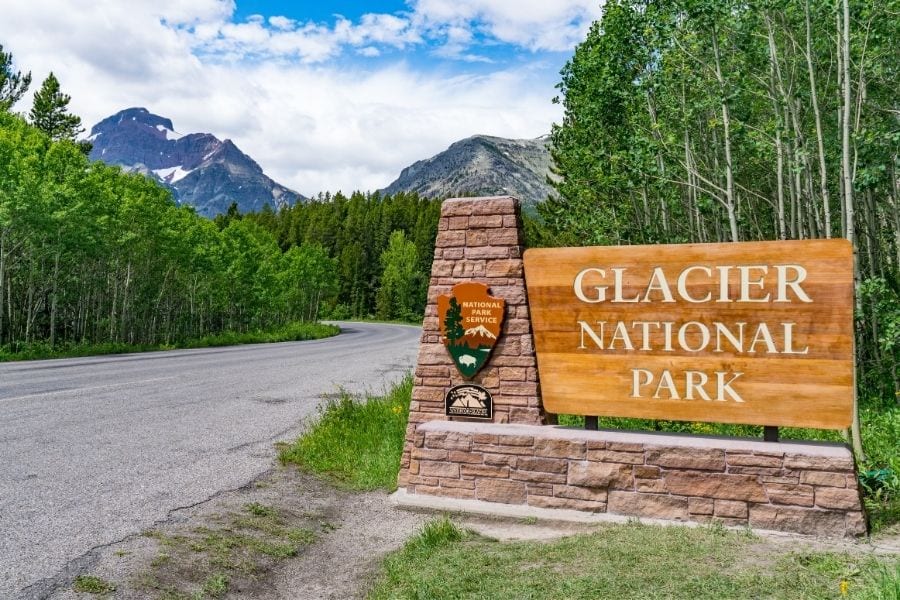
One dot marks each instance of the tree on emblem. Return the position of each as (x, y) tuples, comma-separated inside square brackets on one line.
[(453, 323)]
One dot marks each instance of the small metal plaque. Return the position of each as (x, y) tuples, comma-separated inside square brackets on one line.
[(469, 400)]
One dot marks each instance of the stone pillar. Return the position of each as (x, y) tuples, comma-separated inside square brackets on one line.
[(479, 240)]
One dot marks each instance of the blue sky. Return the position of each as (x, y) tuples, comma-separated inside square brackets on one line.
[(324, 95)]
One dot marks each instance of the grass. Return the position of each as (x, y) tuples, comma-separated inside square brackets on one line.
[(89, 584), (205, 562), (292, 332), (625, 561), (356, 444)]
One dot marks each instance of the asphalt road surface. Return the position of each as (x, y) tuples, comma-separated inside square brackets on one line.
[(93, 450)]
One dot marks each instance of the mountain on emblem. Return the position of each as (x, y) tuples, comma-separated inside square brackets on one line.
[(470, 320)]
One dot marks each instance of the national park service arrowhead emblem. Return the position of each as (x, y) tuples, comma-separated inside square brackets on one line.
[(470, 321)]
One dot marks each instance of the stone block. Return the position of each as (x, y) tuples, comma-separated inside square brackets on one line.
[(484, 471), (824, 478), (538, 476), (568, 503), (686, 458), (753, 460), (796, 494), (653, 506), (657, 486), (610, 456), (716, 485), (580, 493), (571, 449), (798, 520), (500, 490), (428, 454), (731, 508), (459, 456), (547, 465), (701, 506), (485, 221), (600, 475), (428, 468), (843, 499), (818, 463)]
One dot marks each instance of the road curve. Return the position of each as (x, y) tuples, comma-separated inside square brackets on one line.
[(93, 450)]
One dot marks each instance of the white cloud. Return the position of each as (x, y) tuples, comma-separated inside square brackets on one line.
[(311, 126), (555, 25)]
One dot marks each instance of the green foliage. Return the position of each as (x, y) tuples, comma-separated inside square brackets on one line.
[(90, 584), (708, 562), (13, 84), (50, 112), (357, 444), (402, 283)]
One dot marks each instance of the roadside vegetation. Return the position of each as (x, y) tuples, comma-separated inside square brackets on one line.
[(356, 444), (628, 561), (293, 332)]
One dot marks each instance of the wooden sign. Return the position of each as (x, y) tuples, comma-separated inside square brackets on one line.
[(758, 333)]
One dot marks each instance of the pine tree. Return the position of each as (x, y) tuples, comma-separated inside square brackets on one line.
[(13, 84), (453, 322), (50, 112)]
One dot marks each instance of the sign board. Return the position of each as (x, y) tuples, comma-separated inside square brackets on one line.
[(469, 400), (758, 333), (471, 321)]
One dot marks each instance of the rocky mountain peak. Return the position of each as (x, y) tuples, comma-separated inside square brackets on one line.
[(200, 169)]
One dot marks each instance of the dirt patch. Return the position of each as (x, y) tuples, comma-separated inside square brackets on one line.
[(286, 535)]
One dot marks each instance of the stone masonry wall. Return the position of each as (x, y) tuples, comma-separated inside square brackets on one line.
[(795, 487), (478, 240)]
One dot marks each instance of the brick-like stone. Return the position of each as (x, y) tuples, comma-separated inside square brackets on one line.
[(419, 480), (570, 449), (567, 503), (580, 493), (501, 449), (500, 490), (716, 485), (625, 446), (701, 506), (657, 486), (484, 438), (610, 456), (753, 460), (547, 465), (428, 468), (500, 460), (450, 238), (798, 520), (600, 475), (731, 508), (844, 499), (466, 484), (428, 454), (796, 494), (654, 506), (484, 221), (456, 207), (513, 373), (686, 458), (646, 472), (824, 478), (818, 463), (483, 471), (449, 441), (457, 223), (459, 456), (517, 440), (537, 476)]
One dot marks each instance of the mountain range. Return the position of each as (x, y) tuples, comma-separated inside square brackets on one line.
[(482, 165), (200, 169), (209, 174)]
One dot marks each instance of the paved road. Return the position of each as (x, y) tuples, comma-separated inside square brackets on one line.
[(93, 450)]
